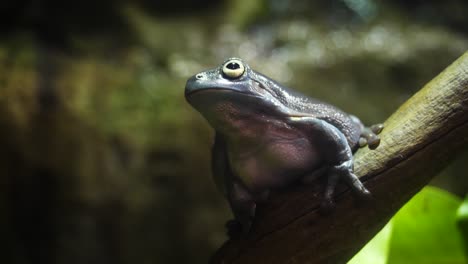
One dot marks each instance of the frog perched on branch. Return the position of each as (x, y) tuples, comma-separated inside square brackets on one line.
[(268, 136)]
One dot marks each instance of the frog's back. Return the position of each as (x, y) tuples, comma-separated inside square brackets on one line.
[(310, 107), (329, 113)]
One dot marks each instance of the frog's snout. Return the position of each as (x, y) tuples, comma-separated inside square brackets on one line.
[(195, 83), (191, 85)]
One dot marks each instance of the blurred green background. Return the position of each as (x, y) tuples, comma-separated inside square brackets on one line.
[(101, 158)]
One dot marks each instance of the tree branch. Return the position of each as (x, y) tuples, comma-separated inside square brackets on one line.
[(419, 139)]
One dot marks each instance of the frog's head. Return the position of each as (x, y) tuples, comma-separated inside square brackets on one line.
[(233, 91)]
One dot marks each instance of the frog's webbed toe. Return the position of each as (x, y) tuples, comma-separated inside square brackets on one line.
[(362, 142), (369, 136), (372, 140), (377, 128)]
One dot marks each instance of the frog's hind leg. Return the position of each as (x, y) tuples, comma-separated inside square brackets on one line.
[(311, 177), (337, 156), (369, 135), (339, 164)]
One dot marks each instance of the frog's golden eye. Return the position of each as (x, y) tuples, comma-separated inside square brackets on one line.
[(233, 69)]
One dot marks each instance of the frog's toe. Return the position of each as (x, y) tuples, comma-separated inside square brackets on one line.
[(373, 141), (359, 188), (362, 142), (345, 170), (377, 128)]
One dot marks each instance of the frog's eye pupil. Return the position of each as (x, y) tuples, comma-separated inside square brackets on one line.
[(233, 66)]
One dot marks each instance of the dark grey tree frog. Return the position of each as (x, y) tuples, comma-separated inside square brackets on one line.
[(268, 136)]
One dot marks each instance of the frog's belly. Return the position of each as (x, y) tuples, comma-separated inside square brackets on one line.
[(275, 164)]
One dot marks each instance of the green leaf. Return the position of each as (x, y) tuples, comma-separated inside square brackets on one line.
[(462, 221), (423, 231)]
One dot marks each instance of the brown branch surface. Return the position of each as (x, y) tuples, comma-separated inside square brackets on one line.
[(419, 139)]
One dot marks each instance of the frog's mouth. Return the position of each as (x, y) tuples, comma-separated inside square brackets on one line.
[(206, 97), (218, 90)]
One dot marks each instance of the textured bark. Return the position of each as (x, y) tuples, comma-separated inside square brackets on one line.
[(419, 139)]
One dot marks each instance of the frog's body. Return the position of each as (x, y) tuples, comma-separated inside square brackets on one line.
[(258, 156), (268, 136)]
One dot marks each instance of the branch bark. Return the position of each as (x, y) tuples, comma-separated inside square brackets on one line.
[(419, 139)]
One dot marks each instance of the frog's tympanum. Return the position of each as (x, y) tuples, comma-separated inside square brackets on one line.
[(268, 136)]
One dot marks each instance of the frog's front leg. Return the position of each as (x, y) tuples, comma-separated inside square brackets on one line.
[(337, 156), (243, 206), (341, 166)]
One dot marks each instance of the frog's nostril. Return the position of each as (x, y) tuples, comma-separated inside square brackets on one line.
[(199, 76)]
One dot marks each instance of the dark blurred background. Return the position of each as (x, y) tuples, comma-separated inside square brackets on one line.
[(101, 159)]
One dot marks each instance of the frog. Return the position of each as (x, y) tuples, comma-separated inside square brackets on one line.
[(268, 137)]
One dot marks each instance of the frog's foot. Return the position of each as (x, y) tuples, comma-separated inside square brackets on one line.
[(369, 136), (344, 171), (243, 206), (241, 225)]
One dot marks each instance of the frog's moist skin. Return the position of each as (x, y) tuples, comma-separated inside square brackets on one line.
[(268, 136)]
